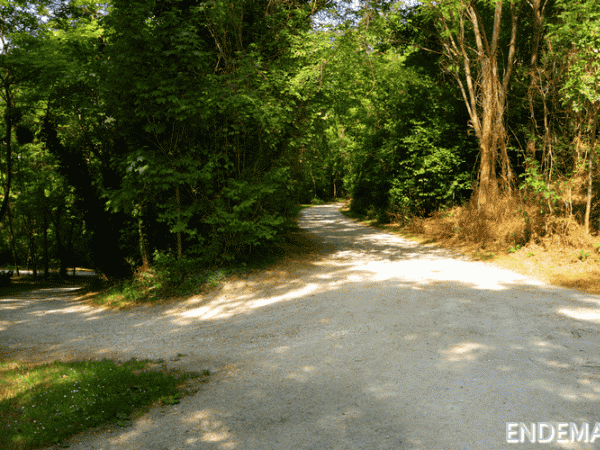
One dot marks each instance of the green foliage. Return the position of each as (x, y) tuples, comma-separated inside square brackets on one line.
[(47, 404), (535, 188), (514, 249), (187, 275), (210, 161), (190, 128), (410, 168), (430, 175), (577, 37), (583, 255), (387, 125)]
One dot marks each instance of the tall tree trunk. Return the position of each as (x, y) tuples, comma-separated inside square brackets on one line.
[(8, 120), (105, 227), (70, 248), (179, 240), (537, 11), (483, 87), (144, 251), (62, 254), (32, 252), (46, 256), (13, 245), (588, 206)]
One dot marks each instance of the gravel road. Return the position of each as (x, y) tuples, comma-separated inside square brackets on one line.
[(372, 342)]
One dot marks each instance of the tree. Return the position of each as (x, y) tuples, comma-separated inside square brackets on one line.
[(206, 121), (18, 25), (577, 40), (473, 35)]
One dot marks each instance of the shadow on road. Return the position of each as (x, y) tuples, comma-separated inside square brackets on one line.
[(372, 342)]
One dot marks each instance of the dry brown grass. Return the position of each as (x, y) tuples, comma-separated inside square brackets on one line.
[(517, 236)]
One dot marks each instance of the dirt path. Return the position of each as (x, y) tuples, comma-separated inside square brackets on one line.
[(374, 343)]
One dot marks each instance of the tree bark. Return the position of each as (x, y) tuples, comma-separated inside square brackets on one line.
[(588, 205), (534, 74), (483, 87), (13, 245), (179, 239), (8, 139), (62, 256), (46, 256), (143, 241)]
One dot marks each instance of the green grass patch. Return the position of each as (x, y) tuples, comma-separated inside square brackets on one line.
[(46, 404)]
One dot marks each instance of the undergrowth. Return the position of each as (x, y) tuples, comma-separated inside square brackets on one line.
[(43, 405), (158, 283), (170, 277), (509, 223)]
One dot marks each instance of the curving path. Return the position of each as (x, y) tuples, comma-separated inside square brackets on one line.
[(374, 342)]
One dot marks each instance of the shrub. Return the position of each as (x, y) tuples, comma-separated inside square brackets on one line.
[(5, 277)]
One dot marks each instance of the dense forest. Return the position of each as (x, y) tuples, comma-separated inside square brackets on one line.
[(142, 133)]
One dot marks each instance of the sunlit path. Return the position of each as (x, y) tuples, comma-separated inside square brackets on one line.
[(375, 342)]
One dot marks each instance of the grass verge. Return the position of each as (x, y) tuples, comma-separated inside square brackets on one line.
[(43, 405)]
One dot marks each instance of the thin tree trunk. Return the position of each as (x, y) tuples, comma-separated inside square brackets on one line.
[(534, 77), (32, 251), (588, 206), (179, 240), (46, 256), (70, 247), (34, 266), (13, 245), (143, 241), (8, 139), (59, 243)]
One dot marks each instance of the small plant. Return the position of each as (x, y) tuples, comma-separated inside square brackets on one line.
[(583, 255), (484, 256), (171, 399), (530, 254), (123, 420), (597, 247), (514, 249)]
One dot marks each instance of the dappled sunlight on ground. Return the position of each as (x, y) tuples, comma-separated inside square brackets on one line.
[(375, 342), (585, 314), (225, 306), (464, 352)]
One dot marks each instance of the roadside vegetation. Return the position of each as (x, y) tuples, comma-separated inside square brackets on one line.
[(42, 405), (169, 278), (567, 257), (164, 144)]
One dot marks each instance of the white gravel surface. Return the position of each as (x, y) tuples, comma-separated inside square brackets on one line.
[(374, 342)]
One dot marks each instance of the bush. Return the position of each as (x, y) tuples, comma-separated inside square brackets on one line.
[(5, 278)]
